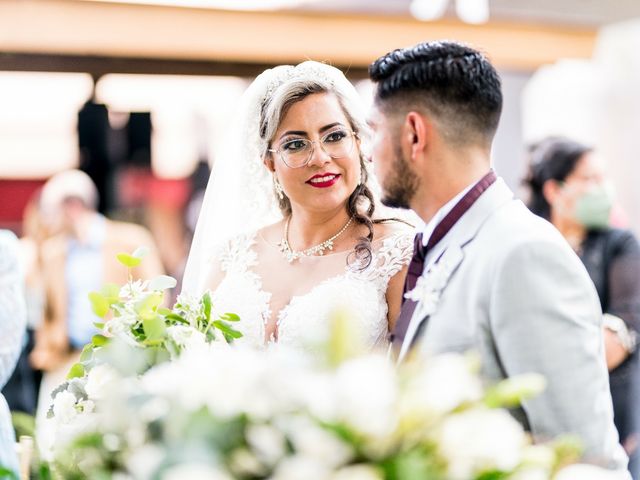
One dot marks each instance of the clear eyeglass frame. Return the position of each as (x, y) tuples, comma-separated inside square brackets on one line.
[(351, 134)]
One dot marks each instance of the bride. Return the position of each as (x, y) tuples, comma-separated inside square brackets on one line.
[(288, 233)]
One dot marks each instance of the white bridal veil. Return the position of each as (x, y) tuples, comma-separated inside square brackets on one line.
[(239, 196)]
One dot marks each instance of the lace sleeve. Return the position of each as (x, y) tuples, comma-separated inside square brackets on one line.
[(237, 254), (12, 307), (394, 253)]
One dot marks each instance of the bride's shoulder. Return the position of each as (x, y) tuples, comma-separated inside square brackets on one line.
[(271, 233), (391, 227)]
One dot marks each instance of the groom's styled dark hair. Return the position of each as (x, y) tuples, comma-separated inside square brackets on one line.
[(454, 83)]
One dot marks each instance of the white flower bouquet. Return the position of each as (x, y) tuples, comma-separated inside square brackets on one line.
[(159, 397), (236, 413)]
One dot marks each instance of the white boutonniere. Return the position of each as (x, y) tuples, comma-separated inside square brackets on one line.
[(429, 286)]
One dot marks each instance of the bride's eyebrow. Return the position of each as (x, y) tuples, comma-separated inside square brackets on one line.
[(304, 134), (327, 127)]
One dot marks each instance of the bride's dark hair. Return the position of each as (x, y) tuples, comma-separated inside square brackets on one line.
[(361, 204)]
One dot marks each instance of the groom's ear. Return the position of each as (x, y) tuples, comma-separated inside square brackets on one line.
[(416, 132)]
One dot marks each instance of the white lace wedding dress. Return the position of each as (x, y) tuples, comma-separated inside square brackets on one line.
[(321, 286)]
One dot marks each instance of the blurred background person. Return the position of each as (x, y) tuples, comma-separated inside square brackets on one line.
[(569, 188), (79, 259), (21, 390), (12, 324)]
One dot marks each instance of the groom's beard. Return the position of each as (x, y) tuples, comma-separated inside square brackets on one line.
[(401, 184)]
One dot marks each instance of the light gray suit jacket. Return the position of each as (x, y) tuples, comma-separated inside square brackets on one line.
[(515, 292)]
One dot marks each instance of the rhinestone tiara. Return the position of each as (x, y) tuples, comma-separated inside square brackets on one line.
[(306, 70)]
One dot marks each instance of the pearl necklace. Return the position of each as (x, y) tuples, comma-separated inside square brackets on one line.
[(319, 249)]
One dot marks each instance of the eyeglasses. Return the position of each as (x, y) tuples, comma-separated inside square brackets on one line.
[(297, 152)]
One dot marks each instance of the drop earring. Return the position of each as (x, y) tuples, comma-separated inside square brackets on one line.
[(278, 188)]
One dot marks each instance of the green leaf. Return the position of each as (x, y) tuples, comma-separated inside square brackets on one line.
[(99, 325), (99, 340), (6, 473), (230, 317), (76, 371), (154, 328), (147, 307), (99, 304), (164, 311), (162, 282), (493, 475), (111, 292), (140, 252), (206, 302), (128, 260), (226, 329), (174, 317), (87, 353), (512, 391)]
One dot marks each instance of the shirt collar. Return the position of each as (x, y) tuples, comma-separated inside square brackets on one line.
[(428, 229)]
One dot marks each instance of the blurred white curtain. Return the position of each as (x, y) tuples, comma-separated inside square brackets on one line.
[(597, 102), (616, 58)]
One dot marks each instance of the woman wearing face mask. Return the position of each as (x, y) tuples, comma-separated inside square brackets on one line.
[(568, 188)]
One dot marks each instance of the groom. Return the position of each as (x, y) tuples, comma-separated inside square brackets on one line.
[(487, 275)]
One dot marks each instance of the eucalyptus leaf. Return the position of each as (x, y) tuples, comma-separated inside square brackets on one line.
[(99, 340), (76, 371), (146, 308), (99, 304), (140, 252), (154, 328), (162, 282), (111, 292), (87, 352), (128, 260)]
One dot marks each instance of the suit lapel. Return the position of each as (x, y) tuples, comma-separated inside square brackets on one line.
[(450, 251)]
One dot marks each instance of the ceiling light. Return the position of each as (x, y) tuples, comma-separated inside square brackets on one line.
[(473, 11), (428, 9)]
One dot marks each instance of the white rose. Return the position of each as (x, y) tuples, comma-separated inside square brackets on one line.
[(299, 467), (143, 462), (186, 337), (479, 440), (439, 385), (100, 380), (243, 463), (267, 442), (313, 441), (194, 471), (366, 395), (64, 407), (531, 474), (358, 472), (86, 406), (590, 472)]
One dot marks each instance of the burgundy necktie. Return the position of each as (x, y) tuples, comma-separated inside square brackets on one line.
[(416, 266)]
